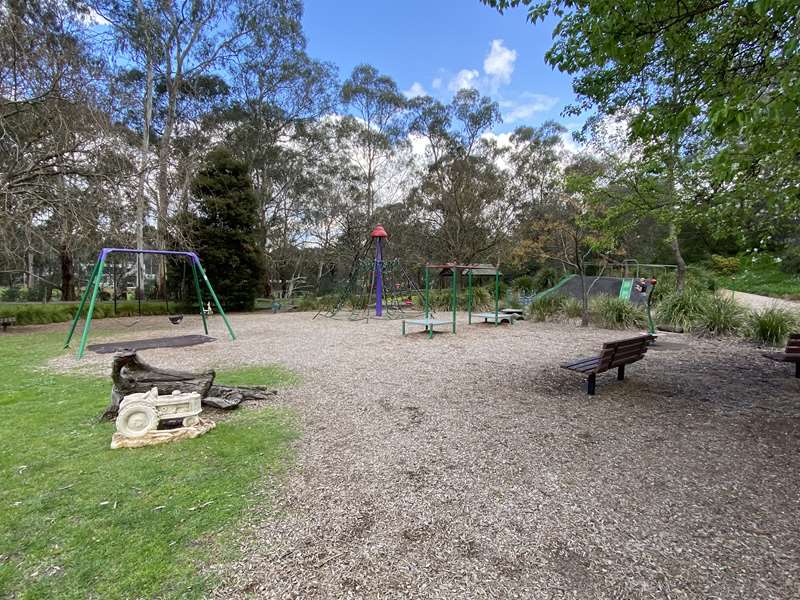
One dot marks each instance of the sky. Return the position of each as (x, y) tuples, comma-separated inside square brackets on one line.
[(436, 46)]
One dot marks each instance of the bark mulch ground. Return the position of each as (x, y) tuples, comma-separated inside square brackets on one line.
[(471, 466)]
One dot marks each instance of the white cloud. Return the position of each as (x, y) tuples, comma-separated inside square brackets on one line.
[(436, 83), (499, 64), (415, 90), (464, 79), (531, 104)]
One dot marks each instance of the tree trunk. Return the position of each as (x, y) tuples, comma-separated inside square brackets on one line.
[(132, 376), (67, 285), (680, 276), (140, 201)]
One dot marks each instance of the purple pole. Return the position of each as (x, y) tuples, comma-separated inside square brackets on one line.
[(378, 277)]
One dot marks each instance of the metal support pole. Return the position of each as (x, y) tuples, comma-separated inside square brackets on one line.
[(95, 290), (199, 297), (454, 295), (496, 297), (84, 296), (216, 300), (427, 293), (469, 296), (378, 278)]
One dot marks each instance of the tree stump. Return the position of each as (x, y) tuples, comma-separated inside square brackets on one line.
[(132, 375)]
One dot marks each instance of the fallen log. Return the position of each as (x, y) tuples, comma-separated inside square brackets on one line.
[(132, 375)]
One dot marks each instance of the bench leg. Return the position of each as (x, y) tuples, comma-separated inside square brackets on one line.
[(590, 384), (404, 327), (621, 373), (796, 367)]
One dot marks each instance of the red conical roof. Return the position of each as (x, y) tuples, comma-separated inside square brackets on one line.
[(379, 232)]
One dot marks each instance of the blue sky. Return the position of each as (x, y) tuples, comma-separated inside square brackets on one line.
[(440, 45)]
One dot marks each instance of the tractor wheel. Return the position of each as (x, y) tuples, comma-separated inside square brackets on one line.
[(135, 420)]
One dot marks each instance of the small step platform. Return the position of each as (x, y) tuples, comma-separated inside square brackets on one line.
[(517, 313), (428, 324), (490, 317)]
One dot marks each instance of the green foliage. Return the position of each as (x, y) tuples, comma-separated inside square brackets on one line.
[(226, 230), (11, 294), (615, 313), (546, 307), (119, 523), (683, 310), (772, 325), (40, 314), (790, 261), (725, 265), (720, 316), (763, 274), (523, 283), (572, 307), (482, 298), (545, 278)]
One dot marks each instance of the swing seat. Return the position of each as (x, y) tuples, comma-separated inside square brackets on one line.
[(175, 319)]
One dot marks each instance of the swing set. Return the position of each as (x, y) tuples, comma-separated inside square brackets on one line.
[(96, 278)]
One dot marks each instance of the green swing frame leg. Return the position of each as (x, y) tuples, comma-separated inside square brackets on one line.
[(95, 290), (84, 296), (454, 296), (216, 301), (199, 297)]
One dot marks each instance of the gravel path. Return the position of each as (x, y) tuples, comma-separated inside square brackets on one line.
[(471, 466), (756, 302)]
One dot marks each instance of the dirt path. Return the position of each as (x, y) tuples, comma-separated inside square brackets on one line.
[(471, 466), (756, 302)]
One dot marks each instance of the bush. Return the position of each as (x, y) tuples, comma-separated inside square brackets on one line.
[(790, 261), (683, 310), (308, 302), (572, 308), (721, 316), (771, 325), (523, 283), (615, 313), (546, 306), (545, 278), (724, 265), (11, 294)]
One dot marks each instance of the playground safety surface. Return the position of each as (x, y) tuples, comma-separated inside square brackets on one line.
[(471, 466)]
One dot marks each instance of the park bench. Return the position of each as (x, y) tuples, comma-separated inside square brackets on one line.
[(790, 355), (5, 322), (614, 355)]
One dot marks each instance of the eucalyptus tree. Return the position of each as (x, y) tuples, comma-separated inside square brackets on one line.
[(461, 193), (373, 128)]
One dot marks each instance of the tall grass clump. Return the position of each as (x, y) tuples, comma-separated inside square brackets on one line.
[(772, 325), (615, 313), (572, 308), (546, 307), (721, 316), (684, 310)]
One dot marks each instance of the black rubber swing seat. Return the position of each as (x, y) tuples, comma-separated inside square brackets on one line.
[(180, 341)]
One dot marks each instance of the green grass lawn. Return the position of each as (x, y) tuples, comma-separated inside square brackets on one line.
[(763, 276), (79, 520)]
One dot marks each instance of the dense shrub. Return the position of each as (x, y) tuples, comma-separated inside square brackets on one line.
[(725, 265), (772, 325), (615, 313), (545, 278), (720, 316), (572, 307), (683, 310), (12, 294), (40, 314), (546, 307), (790, 261), (523, 283)]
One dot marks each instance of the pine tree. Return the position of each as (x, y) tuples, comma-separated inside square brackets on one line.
[(226, 230)]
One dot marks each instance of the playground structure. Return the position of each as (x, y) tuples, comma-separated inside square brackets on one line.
[(96, 278), (471, 271), (635, 290), (376, 282)]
